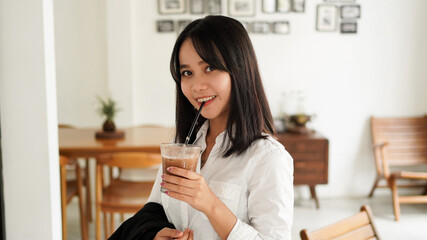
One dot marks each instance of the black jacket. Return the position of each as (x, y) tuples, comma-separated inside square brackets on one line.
[(144, 225)]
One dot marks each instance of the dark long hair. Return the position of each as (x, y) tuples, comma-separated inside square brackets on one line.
[(223, 43)]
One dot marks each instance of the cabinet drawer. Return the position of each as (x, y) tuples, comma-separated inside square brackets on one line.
[(319, 156), (306, 147), (306, 172)]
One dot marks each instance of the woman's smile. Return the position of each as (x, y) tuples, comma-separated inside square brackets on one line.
[(207, 100)]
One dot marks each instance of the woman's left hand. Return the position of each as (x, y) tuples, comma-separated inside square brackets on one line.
[(189, 187)]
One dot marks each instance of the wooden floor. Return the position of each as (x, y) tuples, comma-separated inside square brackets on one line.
[(412, 226)]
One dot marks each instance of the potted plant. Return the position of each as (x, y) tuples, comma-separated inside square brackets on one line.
[(108, 108)]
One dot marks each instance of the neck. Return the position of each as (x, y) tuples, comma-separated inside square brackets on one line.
[(216, 128)]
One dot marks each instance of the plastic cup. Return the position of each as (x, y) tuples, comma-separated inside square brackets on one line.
[(179, 155)]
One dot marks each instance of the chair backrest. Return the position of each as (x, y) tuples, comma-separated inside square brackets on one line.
[(404, 140), (357, 227), (130, 159), (63, 160)]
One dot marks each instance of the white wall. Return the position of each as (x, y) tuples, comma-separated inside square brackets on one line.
[(81, 59), (381, 70), (29, 120)]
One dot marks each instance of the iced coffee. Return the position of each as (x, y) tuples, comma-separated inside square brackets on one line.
[(179, 155)]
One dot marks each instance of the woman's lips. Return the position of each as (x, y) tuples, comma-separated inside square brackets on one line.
[(206, 102)]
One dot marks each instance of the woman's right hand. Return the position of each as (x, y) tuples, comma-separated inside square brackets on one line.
[(168, 233)]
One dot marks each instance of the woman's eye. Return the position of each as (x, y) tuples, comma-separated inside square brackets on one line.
[(186, 73), (209, 69)]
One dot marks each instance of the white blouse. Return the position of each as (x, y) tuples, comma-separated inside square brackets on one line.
[(257, 186)]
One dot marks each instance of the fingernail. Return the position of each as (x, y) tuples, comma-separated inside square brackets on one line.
[(167, 192), (170, 169), (178, 233), (162, 184), (163, 175)]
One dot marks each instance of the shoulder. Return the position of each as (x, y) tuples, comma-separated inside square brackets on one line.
[(268, 152), (267, 146)]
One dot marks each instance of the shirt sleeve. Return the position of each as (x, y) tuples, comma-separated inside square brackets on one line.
[(270, 200)]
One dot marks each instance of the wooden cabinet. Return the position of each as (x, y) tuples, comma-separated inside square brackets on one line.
[(310, 154)]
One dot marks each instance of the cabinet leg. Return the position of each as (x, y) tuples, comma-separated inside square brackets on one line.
[(313, 195)]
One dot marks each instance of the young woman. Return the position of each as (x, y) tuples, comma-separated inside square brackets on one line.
[(243, 186)]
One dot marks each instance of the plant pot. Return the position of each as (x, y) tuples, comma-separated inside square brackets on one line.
[(109, 126)]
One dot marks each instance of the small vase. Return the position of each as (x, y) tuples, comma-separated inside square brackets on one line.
[(109, 126)]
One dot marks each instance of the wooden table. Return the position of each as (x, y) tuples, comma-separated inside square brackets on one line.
[(310, 154), (81, 142)]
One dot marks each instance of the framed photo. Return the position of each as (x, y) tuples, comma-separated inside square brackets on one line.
[(326, 18), (269, 6), (165, 26), (171, 6), (246, 25), (298, 6), (181, 24), (213, 6), (241, 7), (197, 6), (283, 5), (350, 11), (281, 27), (260, 27), (349, 27)]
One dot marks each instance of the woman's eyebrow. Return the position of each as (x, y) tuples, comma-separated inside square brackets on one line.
[(183, 66), (187, 66)]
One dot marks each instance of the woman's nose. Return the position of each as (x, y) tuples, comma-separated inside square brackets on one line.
[(200, 84)]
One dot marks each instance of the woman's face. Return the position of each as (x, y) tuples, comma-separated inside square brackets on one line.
[(201, 82)]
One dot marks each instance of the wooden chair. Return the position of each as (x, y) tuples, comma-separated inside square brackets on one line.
[(121, 196), (400, 142), (357, 227), (86, 180), (70, 189)]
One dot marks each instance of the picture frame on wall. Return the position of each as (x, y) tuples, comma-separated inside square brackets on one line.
[(213, 6), (171, 6), (269, 6), (339, 0), (165, 26), (350, 11), (181, 24), (281, 27), (283, 6), (246, 25), (326, 19), (298, 6), (241, 8), (349, 27), (197, 6), (260, 27)]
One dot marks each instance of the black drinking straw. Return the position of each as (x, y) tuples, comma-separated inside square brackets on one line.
[(194, 124)]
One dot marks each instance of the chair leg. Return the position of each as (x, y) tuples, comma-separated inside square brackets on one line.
[(83, 222), (88, 193), (377, 179), (111, 224), (63, 202), (64, 223), (98, 197), (98, 224), (106, 225), (396, 205)]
